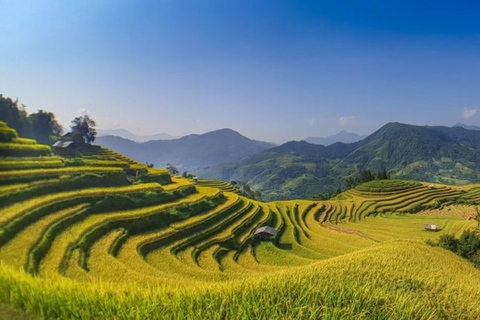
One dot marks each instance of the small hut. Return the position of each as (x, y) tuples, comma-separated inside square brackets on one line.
[(431, 227), (64, 148), (265, 233), (195, 179)]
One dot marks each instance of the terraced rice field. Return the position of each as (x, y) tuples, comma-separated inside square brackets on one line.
[(58, 232), (179, 241), (222, 185)]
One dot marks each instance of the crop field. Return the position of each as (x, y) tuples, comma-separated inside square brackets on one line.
[(222, 185), (101, 236)]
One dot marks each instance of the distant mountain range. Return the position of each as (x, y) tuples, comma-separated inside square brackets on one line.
[(463, 125), (299, 169), (189, 152), (342, 136), (123, 133)]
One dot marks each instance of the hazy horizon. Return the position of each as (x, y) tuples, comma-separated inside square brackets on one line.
[(272, 70)]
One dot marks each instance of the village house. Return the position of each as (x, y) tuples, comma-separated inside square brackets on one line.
[(265, 233)]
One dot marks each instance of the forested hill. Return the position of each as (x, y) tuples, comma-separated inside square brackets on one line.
[(189, 152), (299, 169)]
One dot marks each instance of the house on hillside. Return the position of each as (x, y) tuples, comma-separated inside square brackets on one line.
[(64, 148), (265, 233), (431, 227)]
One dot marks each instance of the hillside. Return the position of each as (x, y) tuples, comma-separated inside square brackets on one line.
[(189, 152), (300, 170), (101, 236)]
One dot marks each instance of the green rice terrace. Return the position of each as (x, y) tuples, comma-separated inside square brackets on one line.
[(100, 236)]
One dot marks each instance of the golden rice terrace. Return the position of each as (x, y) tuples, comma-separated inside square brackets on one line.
[(101, 236)]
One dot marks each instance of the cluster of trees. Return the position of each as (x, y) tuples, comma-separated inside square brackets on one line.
[(351, 182), (172, 169), (42, 125), (365, 176), (246, 190), (467, 246)]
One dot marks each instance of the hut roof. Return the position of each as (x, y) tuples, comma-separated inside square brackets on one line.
[(63, 144), (266, 229)]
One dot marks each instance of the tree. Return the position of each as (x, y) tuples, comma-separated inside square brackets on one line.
[(45, 127), (246, 190), (15, 116), (172, 169), (83, 129)]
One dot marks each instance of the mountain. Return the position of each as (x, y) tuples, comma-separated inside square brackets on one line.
[(463, 125), (342, 136), (189, 152), (298, 169), (123, 133)]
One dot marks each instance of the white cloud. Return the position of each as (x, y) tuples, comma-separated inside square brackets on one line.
[(82, 112), (346, 121), (469, 113)]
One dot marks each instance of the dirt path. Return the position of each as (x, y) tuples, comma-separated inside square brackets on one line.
[(347, 231), (464, 211)]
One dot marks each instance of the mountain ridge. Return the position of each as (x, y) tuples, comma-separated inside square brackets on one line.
[(188, 152), (463, 125), (298, 169), (342, 136), (125, 134)]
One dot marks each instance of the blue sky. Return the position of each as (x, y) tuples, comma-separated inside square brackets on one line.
[(272, 70)]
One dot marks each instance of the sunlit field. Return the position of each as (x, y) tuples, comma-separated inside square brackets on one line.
[(106, 237)]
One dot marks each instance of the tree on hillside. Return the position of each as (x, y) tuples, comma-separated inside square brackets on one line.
[(172, 169), (83, 129), (246, 190), (15, 116), (44, 126)]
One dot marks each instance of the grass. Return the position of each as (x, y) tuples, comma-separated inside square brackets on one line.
[(28, 163), (386, 185), (23, 150), (395, 280)]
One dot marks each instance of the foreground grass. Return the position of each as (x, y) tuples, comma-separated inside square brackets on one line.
[(394, 280)]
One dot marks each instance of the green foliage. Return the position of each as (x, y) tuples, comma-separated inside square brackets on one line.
[(41, 125), (7, 134), (45, 127), (83, 129), (387, 185), (172, 169), (16, 117), (154, 175), (118, 202), (301, 170), (467, 246)]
